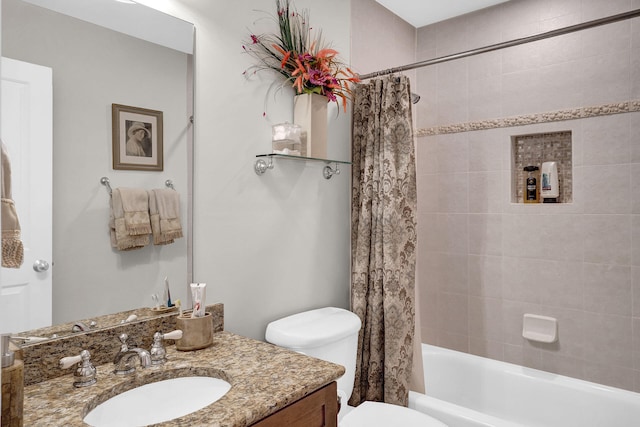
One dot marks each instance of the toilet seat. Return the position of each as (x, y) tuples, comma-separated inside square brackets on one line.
[(376, 414)]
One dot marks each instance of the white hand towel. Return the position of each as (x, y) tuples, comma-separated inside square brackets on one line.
[(135, 204), (129, 218), (12, 248), (164, 207)]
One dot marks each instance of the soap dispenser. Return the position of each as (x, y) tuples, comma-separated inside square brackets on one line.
[(12, 385), (8, 357)]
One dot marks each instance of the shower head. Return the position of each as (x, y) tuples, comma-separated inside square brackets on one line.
[(415, 98)]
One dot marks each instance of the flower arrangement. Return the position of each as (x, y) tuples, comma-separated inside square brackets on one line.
[(304, 61)]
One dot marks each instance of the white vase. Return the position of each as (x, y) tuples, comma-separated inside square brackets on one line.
[(310, 113)]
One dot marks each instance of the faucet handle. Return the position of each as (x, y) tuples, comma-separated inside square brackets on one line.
[(85, 374), (173, 335), (158, 352), (131, 318), (67, 362)]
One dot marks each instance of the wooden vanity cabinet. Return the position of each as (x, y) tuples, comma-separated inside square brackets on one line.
[(319, 409)]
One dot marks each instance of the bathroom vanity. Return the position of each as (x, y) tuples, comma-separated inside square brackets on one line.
[(270, 386)]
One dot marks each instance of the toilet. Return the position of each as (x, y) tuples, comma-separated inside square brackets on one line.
[(331, 334)]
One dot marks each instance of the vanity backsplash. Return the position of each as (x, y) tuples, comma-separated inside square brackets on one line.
[(41, 359)]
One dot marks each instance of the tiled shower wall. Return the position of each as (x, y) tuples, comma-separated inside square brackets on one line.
[(485, 261)]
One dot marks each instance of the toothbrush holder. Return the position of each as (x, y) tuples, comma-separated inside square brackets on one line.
[(197, 332)]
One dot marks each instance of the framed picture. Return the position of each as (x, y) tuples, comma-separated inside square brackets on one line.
[(137, 138)]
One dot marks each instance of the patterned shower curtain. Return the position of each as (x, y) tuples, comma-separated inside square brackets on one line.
[(383, 239)]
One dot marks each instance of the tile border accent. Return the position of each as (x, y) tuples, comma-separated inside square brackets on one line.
[(529, 119)]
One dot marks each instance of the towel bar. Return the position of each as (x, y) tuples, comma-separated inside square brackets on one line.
[(105, 181)]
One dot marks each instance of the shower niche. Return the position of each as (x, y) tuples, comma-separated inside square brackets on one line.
[(534, 150)]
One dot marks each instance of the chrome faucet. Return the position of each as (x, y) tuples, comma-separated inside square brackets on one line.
[(82, 327), (126, 358)]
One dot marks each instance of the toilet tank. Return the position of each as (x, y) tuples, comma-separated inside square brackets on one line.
[(329, 334)]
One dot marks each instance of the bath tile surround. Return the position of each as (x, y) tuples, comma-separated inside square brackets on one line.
[(483, 260)]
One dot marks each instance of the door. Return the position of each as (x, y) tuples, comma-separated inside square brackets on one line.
[(27, 131)]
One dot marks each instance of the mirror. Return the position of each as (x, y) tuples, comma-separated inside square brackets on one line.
[(93, 67)]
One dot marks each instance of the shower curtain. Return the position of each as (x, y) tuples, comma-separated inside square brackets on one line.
[(383, 239)]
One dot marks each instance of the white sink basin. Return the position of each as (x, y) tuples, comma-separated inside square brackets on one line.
[(158, 402)]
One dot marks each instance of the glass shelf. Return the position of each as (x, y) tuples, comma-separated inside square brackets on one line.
[(262, 165), (288, 156)]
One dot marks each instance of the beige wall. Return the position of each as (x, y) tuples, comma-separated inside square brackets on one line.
[(485, 261), (380, 39)]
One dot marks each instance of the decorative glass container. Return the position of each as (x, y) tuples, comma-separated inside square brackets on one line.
[(285, 139)]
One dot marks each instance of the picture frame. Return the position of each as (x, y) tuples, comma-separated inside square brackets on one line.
[(136, 138)]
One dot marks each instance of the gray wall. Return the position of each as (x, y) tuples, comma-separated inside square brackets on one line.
[(271, 245), (93, 68), (266, 246)]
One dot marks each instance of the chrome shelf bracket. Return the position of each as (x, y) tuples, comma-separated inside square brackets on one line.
[(262, 166), (328, 171)]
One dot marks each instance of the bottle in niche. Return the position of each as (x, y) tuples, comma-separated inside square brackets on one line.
[(549, 189), (531, 187)]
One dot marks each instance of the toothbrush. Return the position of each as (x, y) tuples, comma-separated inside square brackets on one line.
[(156, 301), (167, 291)]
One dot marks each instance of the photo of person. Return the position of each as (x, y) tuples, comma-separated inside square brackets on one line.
[(138, 139)]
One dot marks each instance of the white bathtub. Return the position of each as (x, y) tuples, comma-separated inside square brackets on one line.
[(470, 391)]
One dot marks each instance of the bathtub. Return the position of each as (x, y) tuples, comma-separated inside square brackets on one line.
[(470, 391)]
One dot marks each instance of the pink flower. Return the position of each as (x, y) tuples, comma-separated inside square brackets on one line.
[(317, 77), (305, 57)]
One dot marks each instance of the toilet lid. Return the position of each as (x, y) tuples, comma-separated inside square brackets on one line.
[(376, 414)]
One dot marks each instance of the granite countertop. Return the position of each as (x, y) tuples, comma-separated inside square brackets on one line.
[(264, 379)]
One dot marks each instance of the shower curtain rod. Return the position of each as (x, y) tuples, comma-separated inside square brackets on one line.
[(558, 32)]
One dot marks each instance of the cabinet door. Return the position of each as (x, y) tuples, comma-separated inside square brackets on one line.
[(319, 409)]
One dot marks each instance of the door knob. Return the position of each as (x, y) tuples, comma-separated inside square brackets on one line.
[(40, 265)]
